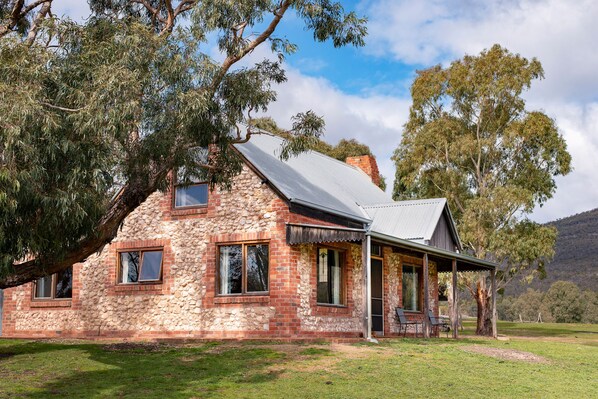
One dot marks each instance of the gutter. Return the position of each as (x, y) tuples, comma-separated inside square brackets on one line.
[(329, 210)]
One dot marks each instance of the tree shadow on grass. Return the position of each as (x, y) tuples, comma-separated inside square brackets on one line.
[(139, 371)]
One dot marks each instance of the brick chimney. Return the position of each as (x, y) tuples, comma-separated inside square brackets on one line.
[(368, 164)]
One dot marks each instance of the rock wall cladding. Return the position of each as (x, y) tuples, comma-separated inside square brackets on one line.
[(181, 302), (321, 318)]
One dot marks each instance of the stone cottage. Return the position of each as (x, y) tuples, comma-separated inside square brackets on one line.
[(304, 248)]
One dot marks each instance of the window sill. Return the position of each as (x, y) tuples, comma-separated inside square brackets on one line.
[(141, 288), (51, 303), (331, 305), (221, 300), (323, 309), (195, 210)]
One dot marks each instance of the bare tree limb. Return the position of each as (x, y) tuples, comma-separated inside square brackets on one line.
[(231, 59), (39, 18), (61, 108)]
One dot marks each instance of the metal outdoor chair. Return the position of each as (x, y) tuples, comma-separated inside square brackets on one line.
[(403, 322), (439, 323)]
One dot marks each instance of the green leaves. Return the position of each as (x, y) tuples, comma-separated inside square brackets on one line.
[(471, 139), (93, 116)]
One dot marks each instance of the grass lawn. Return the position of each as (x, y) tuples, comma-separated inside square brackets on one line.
[(538, 361)]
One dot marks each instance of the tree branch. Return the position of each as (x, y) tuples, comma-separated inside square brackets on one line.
[(232, 59), (43, 12), (61, 108)]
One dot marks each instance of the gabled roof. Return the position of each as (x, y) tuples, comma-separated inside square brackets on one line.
[(415, 220), (313, 179)]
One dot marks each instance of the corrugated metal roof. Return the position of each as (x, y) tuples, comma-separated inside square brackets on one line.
[(409, 220), (313, 178)]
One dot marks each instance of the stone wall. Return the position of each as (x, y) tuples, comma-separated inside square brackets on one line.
[(185, 303)]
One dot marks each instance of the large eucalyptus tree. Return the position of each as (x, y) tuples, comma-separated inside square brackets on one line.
[(94, 115), (470, 138)]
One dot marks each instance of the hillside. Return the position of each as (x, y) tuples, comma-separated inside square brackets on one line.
[(576, 256)]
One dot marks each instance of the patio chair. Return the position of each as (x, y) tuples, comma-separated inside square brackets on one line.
[(439, 323), (403, 322)]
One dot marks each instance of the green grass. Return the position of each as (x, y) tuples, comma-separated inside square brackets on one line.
[(394, 368)]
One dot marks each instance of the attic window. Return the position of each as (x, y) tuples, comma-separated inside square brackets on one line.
[(191, 187)]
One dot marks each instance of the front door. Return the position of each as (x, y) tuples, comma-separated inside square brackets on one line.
[(377, 297)]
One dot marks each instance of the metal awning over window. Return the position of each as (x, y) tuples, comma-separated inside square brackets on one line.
[(314, 234)]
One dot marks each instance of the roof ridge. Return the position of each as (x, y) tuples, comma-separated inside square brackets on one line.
[(425, 201)]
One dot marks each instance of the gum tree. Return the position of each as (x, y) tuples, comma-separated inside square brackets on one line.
[(95, 115), (471, 139)]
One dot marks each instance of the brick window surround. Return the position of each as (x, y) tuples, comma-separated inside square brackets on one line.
[(142, 288)]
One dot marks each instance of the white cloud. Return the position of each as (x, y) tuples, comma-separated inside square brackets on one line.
[(374, 120), (561, 34), (77, 10)]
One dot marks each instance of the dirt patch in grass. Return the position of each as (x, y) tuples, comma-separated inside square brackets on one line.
[(505, 354), (136, 347)]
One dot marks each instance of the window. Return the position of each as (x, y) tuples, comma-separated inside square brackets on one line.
[(189, 196), (243, 269), (411, 288), (57, 286), (191, 189), (140, 266), (376, 250), (330, 277)]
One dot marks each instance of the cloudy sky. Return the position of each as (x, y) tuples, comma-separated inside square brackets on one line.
[(364, 93)]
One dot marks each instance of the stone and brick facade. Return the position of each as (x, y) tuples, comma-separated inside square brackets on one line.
[(185, 303)]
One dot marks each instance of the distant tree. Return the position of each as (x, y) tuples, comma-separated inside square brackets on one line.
[(530, 305), (590, 307), (94, 116), (565, 302), (350, 148), (470, 138)]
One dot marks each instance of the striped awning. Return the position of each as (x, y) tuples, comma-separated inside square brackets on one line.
[(314, 234)]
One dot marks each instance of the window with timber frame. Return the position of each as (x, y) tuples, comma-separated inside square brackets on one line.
[(412, 288), (140, 266), (243, 268), (330, 275), (56, 286)]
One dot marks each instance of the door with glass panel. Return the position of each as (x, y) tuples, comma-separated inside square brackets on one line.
[(377, 296)]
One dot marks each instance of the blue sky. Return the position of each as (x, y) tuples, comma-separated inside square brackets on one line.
[(364, 93)]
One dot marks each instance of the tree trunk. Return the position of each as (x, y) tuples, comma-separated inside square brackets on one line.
[(130, 197), (483, 300)]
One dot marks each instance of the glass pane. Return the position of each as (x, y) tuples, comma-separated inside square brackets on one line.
[(335, 277), (152, 265), (323, 292), (64, 284), (257, 268), (129, 267), (231, 269), (191, 196), (376, 250), (43, 287), (410, 288)]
